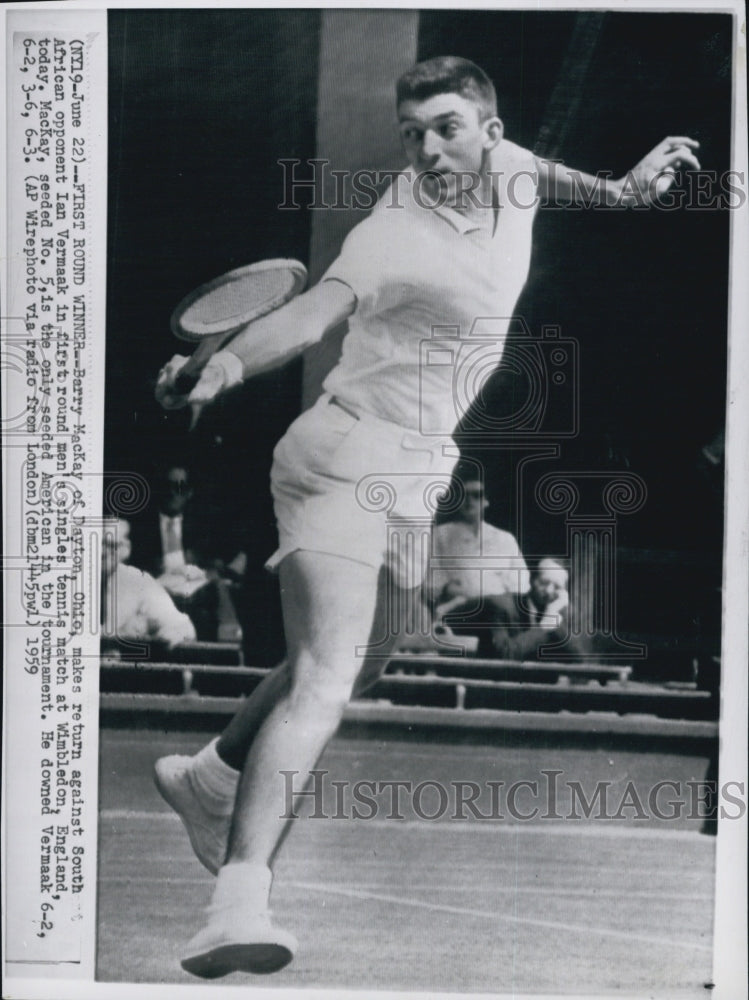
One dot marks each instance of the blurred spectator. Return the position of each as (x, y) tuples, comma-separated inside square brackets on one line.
[(465, 591), (180, 548), (168, 538), (133, 605), (521, 623)]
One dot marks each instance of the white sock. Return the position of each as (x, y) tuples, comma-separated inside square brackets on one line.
[(242, 884), (215, 782)]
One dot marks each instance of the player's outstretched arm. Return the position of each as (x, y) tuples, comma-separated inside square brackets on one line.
[(643, 185), (265, 344)]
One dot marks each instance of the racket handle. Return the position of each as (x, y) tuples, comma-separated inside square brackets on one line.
[(189, 376), (185, 382)]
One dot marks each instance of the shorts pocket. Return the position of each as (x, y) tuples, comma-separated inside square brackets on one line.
[(353, 455), (310, 444), (417, 454)]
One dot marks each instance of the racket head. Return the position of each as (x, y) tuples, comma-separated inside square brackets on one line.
[(231, 301)]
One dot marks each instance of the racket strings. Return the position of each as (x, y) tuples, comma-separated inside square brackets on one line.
[(236, 297), (231, 301)]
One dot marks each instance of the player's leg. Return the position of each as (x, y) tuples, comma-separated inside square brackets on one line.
[(202, 788), (329, 606), (234, 742)]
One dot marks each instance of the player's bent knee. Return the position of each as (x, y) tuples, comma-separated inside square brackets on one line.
[(323, 672), (323, 701)]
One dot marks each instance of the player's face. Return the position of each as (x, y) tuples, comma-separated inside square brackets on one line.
[(445, 138)]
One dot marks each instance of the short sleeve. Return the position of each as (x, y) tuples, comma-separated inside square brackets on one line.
[(365, 262)]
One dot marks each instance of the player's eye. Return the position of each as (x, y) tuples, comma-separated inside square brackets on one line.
[(412, 134), (449, 131)]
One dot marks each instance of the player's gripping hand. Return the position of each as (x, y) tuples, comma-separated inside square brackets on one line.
[(166, 394), (222, 372)]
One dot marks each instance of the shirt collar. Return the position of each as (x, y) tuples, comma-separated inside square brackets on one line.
[(460, 223)]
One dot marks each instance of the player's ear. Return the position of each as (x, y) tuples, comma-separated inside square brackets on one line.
[(493, 132)]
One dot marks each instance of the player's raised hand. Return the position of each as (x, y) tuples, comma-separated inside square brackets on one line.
[(656, 172)]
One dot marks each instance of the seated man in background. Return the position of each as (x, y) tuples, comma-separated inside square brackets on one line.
[(171, 543), (133, 605), (463, 590), (521, 623)]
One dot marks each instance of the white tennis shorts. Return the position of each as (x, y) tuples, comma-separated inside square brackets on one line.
[(358, 487)]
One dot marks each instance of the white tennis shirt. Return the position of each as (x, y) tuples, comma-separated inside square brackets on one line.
[(425, 279)]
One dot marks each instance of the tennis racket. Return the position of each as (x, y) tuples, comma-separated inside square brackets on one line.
[(214, 313)]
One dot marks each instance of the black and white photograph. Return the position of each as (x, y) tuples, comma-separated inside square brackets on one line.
[(375, 497)]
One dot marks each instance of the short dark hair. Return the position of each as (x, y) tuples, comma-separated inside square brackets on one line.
[(448, 75)]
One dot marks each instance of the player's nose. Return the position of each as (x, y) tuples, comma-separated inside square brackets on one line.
[(430, 147)]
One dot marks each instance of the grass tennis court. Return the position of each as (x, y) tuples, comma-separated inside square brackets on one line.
[(495, 906)]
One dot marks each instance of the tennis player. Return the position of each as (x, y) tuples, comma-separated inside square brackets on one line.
[(449, 242)]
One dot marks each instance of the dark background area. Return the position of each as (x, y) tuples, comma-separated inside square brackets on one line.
[(202, 106), (204, 103), (643, 293)]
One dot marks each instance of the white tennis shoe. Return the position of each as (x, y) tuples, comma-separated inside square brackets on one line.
[(208, 831), (238, 940)]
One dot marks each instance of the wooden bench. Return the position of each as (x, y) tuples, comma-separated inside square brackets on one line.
[(442, 682), (529, 672)]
